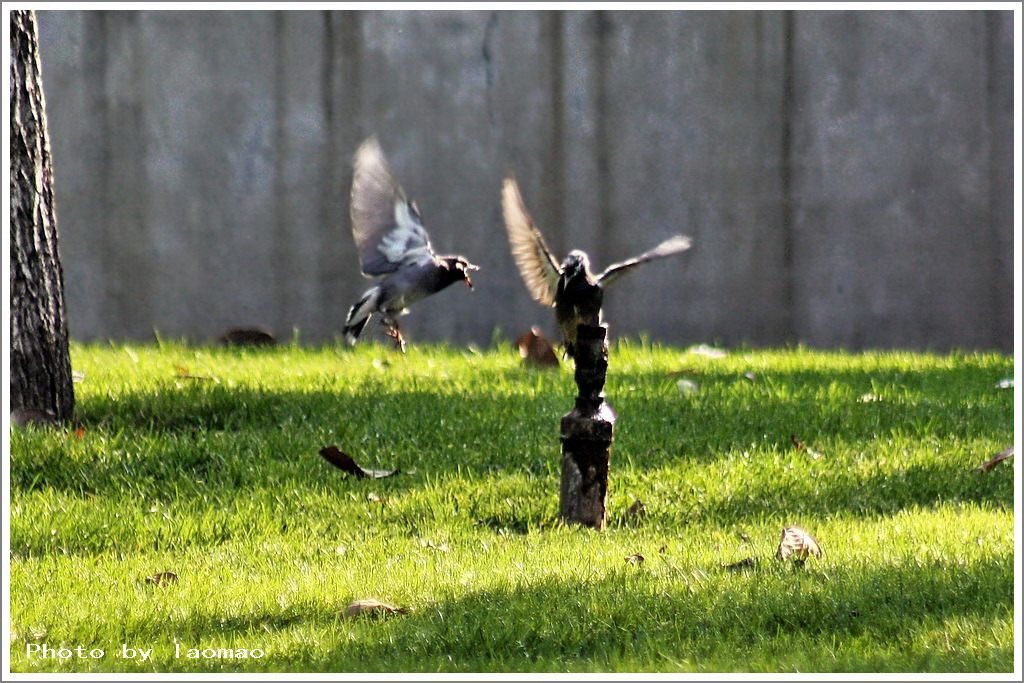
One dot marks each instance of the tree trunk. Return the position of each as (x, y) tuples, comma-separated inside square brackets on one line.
[(40, 365)]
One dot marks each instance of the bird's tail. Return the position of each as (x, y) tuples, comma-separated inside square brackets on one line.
[(360, 314)]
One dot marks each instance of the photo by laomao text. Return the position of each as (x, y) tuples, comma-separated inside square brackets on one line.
[(126, 652)]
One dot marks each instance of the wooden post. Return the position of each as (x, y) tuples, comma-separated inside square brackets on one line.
[(587, 433)]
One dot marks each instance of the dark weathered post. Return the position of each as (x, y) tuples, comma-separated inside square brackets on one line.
[(587, 433)]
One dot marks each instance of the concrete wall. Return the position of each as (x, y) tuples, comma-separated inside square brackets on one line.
[(847, 176)]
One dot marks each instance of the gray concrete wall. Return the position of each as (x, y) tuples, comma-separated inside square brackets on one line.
[(847, 176)]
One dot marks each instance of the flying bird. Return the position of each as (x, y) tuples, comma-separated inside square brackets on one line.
[(575, 293), (393, 246)]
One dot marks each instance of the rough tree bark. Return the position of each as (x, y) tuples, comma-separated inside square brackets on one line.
[(41, 388)]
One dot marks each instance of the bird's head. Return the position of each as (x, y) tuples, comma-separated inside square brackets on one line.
[(459, 269), (576, 263)]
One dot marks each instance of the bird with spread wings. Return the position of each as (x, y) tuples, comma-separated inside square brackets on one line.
[(393, 246), (569, 287)]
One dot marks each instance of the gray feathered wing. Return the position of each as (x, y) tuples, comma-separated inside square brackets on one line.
[(386, 226), (673, 245), (538, 267)]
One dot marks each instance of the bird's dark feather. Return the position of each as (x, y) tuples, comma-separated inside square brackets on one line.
[(538, 267), (673, 245), (386, 226)]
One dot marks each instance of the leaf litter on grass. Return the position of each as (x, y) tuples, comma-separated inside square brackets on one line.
[(344, 462), (897, 475)]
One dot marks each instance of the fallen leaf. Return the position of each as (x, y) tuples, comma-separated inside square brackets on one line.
[(707, 351), (989, 465), (373, 608), (381, 365), (635, 558), (440, 547), (637, 510), (183, 373), (80, 433), (1005, 383), (687, 386), (750, 376), (162, 579), (536, 350), (31, 416), (745, 563), (39, 633), (77, 376), (799, 445), (248, 336), (344, 462), (797, 544), (662, 550), (473, 349), (14, 636), (374, 498)]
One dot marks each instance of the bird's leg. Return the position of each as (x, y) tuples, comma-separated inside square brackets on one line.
[(394, 332)]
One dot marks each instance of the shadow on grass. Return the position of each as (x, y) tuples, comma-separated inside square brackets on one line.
[(833, 493), (160, 443), (882, 618)]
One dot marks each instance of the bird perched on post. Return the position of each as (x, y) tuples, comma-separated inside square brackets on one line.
[(575, 293), (393, 246)]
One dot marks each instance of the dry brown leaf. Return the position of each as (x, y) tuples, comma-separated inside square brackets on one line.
[(162, 579), (989, 465), (430, 545), (745, 563), (372, 607), (800, 446), (183, 373), (637, 510), (248, 336), (535, 350), (635, 558), (797, 544), (345, 463)]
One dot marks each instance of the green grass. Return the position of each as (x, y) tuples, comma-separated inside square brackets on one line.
[(221, 482)]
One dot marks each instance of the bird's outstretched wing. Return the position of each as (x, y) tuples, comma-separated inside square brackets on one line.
[(386, 226), (538, 267), (673, 245)]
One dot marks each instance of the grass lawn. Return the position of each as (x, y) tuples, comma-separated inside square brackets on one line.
[(219, 481)]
